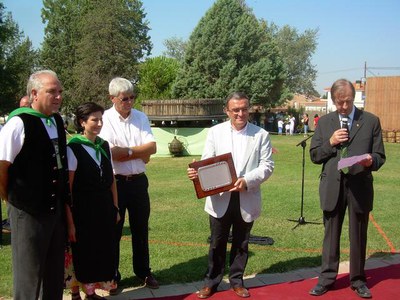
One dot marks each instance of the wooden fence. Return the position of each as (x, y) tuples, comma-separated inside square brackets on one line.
[(178, 109), (382, 98)]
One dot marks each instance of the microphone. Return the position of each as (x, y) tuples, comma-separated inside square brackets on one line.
[(345, 124)]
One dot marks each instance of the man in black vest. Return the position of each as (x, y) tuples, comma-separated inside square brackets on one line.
[(34, 182)]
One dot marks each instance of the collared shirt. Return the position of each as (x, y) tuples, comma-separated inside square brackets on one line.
[(133, 131), (12, 138), (238, 147)]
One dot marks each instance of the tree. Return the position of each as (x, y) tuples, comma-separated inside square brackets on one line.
[(22, 62), (90, 42), (296, 50), (229, 50), (61, 35), (157, 75), (176, 48), (113, 42), (17, 60)]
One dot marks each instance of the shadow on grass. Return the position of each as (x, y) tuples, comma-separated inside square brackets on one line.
[(188, 271), (294, 264), (5, 239), (191, 270), (380, 254)]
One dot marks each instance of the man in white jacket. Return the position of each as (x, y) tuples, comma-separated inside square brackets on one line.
[(251, 150)]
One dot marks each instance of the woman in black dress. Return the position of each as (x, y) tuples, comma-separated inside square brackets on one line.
[(94, 213)]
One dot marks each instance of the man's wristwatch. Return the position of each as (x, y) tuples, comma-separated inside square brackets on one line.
[(130, 152)]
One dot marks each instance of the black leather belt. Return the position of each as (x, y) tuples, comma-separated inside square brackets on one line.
[(131, 177)]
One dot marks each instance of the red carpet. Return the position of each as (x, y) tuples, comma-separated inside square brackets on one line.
[(384, 284)]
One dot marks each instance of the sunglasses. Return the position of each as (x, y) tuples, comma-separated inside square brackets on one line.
[(131, 98)]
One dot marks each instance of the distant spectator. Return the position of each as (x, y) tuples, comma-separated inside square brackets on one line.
[(280, 126), (292, 122), (316, 118), (24, 102), (269, 121), (287, 128), (257, 117), (305, 120)]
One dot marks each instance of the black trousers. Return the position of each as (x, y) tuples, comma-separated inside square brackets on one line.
[(358, 226), (38, 244), (133, 197), (220, 228)]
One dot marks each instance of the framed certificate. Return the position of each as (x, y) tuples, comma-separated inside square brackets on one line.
[(215, 175)]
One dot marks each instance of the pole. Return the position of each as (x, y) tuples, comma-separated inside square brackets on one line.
[(301, 220)]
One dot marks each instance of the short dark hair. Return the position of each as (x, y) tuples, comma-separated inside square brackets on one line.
[(338, 85), (83, 111), (236, 96)]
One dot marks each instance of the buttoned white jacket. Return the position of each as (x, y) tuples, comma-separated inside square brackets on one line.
[(257, 167)]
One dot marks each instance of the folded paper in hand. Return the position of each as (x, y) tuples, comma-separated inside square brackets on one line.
[(352, 160)]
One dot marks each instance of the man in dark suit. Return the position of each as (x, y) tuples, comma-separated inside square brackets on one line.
[(350, 187)]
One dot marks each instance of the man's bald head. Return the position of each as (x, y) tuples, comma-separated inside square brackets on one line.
[(24, 102)]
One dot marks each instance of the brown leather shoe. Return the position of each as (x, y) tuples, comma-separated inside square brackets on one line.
[(151, 282), (205, 292), (241, 291)]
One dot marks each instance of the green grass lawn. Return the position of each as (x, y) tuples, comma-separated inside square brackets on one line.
[(179, 225)]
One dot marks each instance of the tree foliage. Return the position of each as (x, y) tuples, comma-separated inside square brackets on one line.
[(227, 51), (176, 48), (17, 60), (296, 50), (90, 42), (61, 35), (157, 75)]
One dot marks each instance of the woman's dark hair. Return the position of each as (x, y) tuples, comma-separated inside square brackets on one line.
[(83, 111)]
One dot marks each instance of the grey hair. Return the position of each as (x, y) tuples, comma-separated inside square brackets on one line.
[(35, 82), (120, 85), (236, 96)]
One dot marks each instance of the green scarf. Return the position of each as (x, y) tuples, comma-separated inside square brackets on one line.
[(80, 139), (31, 111)]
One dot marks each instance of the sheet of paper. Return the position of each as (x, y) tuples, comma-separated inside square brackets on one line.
[(352, 160)]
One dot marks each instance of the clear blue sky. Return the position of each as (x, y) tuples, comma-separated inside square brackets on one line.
[(350, 32)]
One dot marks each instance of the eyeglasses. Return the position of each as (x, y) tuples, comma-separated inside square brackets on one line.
[(131, 98), (237, 110)]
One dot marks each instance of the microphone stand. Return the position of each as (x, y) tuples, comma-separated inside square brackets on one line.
[(301, 220)]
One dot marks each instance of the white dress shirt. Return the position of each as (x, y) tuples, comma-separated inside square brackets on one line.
[(238, 148), (133, 131)]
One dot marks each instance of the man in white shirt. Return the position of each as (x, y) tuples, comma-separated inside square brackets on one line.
[(34, 182), (132, 143)]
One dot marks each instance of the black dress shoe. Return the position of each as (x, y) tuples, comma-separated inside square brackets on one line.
[(362, 291), (318, 290), (151, 282), (116, 291)]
